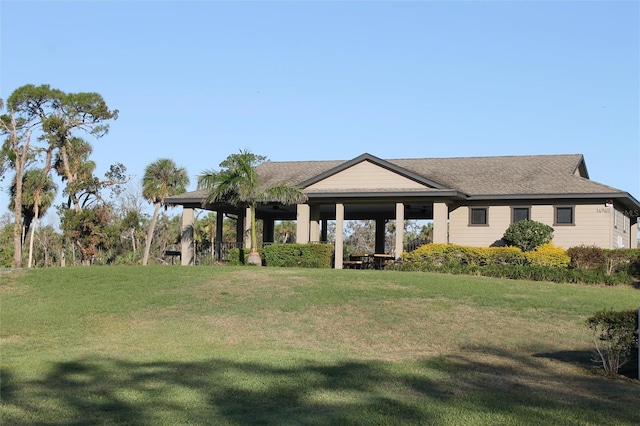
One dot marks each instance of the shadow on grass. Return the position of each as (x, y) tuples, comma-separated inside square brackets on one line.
[(220, 391), (585, 359)]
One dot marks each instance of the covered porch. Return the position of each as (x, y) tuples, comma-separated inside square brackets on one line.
[(313, 218)]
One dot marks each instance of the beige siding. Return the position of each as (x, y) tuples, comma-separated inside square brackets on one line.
[(593, 226), (460, 232), (621, 229), (365, 175)]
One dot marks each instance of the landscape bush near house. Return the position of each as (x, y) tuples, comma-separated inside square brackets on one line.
[(298, 255), (288, 255), (615, 335), (528, 235), (548, 255), (546, 263)]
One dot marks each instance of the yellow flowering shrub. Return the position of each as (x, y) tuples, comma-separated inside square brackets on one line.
[(548, 255)]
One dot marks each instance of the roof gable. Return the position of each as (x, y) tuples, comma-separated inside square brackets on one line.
[(368, 171)]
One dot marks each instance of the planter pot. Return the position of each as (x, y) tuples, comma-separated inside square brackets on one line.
[(254, 259)]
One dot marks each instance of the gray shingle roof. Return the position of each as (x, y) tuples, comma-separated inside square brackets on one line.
[(473, 176)]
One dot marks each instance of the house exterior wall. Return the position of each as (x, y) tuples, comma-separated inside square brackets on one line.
[(365, 175), (621, 225), (593, 224)]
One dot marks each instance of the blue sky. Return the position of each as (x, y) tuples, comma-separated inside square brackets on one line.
[(197, 81)]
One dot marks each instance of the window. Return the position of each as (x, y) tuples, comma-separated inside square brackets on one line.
[(615, 219), (478, 216), (564, 216), (519, 213)]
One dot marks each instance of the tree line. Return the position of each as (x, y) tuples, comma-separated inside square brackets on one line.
[(102, 219)]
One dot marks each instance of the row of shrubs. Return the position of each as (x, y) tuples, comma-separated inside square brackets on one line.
[(589, 265)]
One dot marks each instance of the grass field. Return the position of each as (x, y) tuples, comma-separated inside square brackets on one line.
[(237, 345)]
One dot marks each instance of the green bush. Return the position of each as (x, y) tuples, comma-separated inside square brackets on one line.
[(528, 234), (615, 335), (502, 256), (238, 256), (298, 255)]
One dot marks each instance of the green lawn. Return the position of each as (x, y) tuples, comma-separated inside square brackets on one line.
[(231, 345)]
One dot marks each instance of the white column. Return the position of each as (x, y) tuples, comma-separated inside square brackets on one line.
[(339, 248), (302, 223), (186, 238), (399, 230), (314, 223), (440, 223)]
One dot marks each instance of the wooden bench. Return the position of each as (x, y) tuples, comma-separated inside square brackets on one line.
[(352, 264)]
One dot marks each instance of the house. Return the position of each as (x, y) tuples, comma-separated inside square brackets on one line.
[(471, 200)]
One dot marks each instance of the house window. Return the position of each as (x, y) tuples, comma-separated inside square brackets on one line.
[(479, 216), (564, 216), (519, 213), (615, 219)]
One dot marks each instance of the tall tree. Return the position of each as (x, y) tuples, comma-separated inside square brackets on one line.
[(161, 179), (39, 191), (17, 150), (238, 183), (55, 115)]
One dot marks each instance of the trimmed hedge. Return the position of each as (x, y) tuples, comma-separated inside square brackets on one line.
[(525, 272), (546, 263), (298, 255), (289, 255), (548, 255)]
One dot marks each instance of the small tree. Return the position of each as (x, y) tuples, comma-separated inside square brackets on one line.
[(615, 335), (528, 234)]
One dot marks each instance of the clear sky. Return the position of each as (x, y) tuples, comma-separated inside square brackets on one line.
[(326, 80)]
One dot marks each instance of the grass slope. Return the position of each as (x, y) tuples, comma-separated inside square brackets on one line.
[(226, 345)]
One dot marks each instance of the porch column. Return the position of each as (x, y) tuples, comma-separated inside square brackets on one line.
[(186, 238), (399, 230), (633, 234), (440, 226), (302, 223), (325, 230), (268, 230), (339, 248), (314, 224), (240, 227), (381, 230), (247, 228), (219, 228)]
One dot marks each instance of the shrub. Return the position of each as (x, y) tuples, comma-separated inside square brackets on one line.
[(615, 335), (548, 255), (528, 234), (443, 254), (502, 256), (238, 256), (298, 255), (586, 257), (615, 259)]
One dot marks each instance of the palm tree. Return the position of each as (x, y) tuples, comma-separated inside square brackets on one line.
[(238, 184), (38, 193), (162, 178)]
